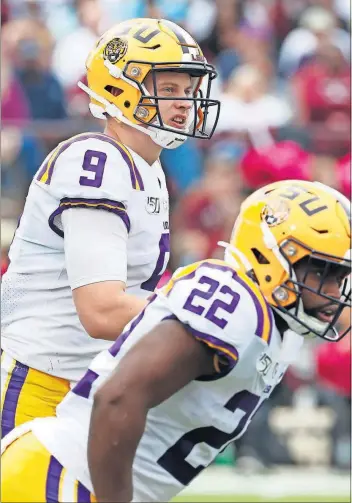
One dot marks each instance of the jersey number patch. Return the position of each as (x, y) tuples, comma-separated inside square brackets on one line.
[(229, 304), (94, 161)]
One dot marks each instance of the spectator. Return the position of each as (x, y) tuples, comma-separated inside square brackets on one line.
[(14, 103), (248, 104), (343, 171), (284, 160), (31, 49), (322, 90), (71, 51), (205, 213), (316, 25), (22, 154)]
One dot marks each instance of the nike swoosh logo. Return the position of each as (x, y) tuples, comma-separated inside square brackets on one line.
[(151, 48)]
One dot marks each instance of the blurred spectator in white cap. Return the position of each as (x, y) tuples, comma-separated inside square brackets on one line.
[(248, 104), (316, 24), (71, 51)]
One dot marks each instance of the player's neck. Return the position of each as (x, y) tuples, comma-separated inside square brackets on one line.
[(139, 142)]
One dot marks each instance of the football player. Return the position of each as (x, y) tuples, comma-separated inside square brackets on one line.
[(93, 239), (190, 371)]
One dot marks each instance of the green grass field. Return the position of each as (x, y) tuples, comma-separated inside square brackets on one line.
[(247, 498)]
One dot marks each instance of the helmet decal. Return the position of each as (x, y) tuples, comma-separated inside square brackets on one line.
[(115, 50), (276, 212)]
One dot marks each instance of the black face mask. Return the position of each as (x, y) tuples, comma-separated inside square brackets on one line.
[(199, 101), (329, 266)]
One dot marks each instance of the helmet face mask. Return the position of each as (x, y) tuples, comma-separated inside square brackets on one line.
[(197, 123), (297, 237), (131, 52), (312, 299)]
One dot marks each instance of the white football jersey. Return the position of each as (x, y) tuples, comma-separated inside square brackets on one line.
[(40, 326), (221, 308)]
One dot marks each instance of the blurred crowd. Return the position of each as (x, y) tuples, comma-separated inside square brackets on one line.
[(285, 87)]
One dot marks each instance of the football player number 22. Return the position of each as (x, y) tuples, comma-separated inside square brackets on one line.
[(242, 404)]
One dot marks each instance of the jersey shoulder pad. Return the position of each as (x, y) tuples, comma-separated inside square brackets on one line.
[(91, 166), (220, 306)]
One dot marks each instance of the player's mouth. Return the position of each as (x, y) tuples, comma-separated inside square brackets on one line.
[(326, 314), (178, 121)]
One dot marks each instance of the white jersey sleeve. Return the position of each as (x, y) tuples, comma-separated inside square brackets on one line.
[(90, 171), (219, 306), (98, 234)]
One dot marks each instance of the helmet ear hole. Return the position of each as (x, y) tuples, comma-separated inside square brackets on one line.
[(115, 91), (259, 256)]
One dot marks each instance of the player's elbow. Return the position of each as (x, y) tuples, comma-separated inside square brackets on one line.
[(97, 325), (99, 308)]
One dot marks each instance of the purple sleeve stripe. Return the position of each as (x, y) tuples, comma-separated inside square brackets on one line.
[(46, 172), (271, 323), (258, 307), (136, 179), (99, 204), (188, 276), (221, 347), (53, 480)]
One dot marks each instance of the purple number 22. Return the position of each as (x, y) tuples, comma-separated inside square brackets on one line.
[(216, 304), (93, 161)]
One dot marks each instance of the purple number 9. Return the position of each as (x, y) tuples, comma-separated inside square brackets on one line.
[(93, 161)]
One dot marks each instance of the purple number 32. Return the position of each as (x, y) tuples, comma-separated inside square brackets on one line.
[(216, 304), (93, 161)]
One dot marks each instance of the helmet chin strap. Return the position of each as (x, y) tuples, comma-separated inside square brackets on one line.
[(165, 139)]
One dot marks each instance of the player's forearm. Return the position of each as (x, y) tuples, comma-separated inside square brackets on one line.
[(115, 431), (105, 316), (112, 319)]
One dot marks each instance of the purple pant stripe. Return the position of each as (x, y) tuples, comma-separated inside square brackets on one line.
[(53, 481), (17, 380), (83, 495)]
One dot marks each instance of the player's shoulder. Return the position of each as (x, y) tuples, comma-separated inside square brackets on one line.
[(87, 150), (251, 306)]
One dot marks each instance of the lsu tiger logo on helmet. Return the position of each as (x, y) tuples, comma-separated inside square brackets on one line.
[(281, 225), (123, 58)]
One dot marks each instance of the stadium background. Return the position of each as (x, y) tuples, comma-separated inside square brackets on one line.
[(284, 68)]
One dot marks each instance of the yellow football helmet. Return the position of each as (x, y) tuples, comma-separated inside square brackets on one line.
[(282, 224), (122, 59)]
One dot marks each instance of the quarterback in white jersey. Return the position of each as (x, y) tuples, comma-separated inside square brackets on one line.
[(190, 371), (78, 275)]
